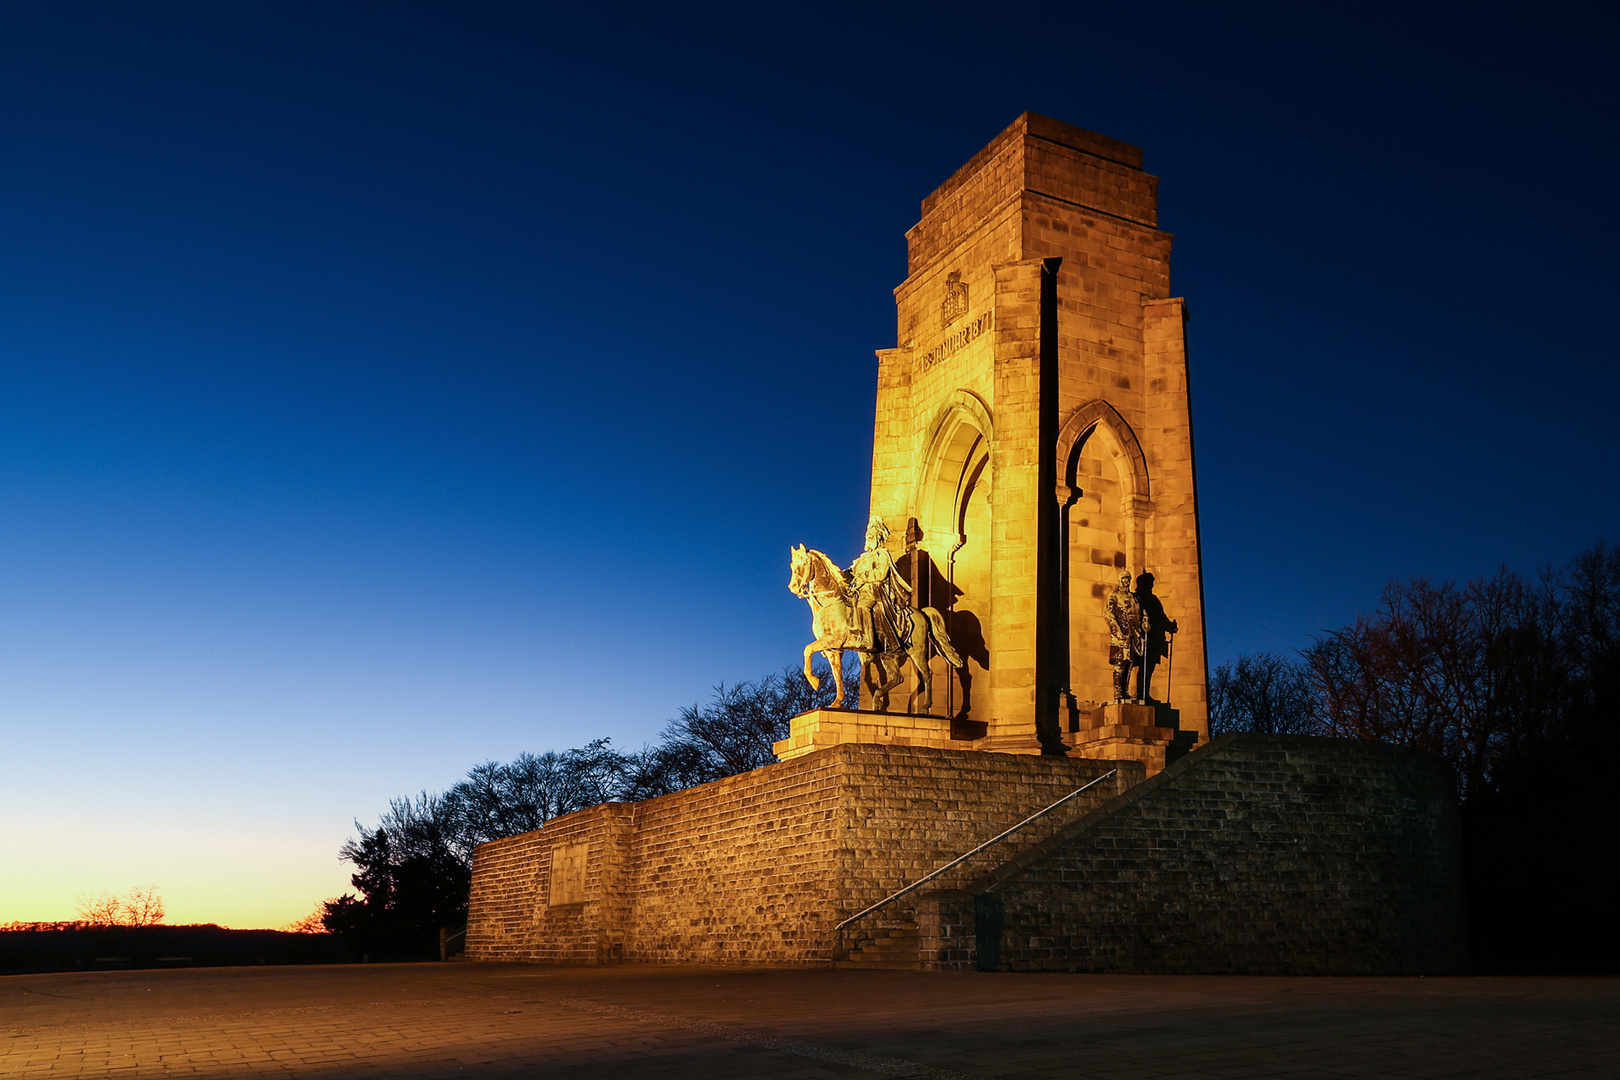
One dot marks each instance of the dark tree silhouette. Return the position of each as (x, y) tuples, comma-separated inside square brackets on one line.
[(1516, 682), (1543, 867), (734, 733), (1475, 673), (414, 870), (1263, 693), (503, 800)]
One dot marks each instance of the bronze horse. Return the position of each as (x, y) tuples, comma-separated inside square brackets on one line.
[(826, 586)]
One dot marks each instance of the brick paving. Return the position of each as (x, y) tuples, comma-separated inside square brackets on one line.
[(422, 1021)]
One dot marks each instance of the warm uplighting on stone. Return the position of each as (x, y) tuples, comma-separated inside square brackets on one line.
[(1032, 442), (1028, 781)]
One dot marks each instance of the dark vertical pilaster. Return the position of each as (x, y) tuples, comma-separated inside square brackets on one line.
[(1050, 631)]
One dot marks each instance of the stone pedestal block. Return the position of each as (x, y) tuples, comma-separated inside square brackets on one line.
[(822, 728), (1131, 731), (1012, 741)]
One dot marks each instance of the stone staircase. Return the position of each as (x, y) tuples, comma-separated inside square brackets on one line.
[(895, 949), (892, 941)]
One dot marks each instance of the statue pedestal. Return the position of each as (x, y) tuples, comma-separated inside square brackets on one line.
[(821, 728), (1131, 731)]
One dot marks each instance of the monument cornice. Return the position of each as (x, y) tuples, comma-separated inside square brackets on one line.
[(1036, 136), (1088, 208), (914, 279), (1033, 126)]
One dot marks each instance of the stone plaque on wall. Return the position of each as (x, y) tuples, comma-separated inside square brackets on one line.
[(568, 875)]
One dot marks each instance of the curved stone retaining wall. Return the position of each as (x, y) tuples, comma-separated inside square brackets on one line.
[(1260, 854), (758, 868)]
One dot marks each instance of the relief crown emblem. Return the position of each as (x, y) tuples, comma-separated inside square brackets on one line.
[(956, 299)]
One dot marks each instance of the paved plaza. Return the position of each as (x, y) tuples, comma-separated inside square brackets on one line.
[(499, 1020)]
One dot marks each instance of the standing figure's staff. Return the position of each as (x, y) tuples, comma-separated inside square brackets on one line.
[(1169, 666), (1146, 637)]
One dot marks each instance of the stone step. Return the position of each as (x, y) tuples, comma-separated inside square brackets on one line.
[(897, 949)]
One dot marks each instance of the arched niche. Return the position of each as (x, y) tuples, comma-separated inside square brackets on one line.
[(952, 507), (1104, 498)]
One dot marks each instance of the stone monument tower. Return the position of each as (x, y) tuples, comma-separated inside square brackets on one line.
[(1032, 449), (1033, 437)]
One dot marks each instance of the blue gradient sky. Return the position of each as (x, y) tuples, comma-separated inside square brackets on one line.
[(387, 388)]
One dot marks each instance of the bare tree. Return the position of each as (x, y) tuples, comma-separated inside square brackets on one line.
[(736, 732), (498, 800), (143, 906), (1263, 693), (502, 800), (101, 909), (1471, 672), (422, 826), (672, 765), (140, 906), (1589, 615), (313, 923)]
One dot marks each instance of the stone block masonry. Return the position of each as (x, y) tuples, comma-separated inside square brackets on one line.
[(1032, 430), (1032, 439), (758, 868), (1254, 854), (822, 728), (1257, 854)]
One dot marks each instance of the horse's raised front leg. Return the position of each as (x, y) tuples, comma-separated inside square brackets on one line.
[(810, 676)]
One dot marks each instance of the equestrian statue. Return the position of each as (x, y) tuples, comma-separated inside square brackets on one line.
[(867, 610)]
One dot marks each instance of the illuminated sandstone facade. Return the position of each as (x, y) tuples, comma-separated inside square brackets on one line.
[(1033, 435), (1032, 440)]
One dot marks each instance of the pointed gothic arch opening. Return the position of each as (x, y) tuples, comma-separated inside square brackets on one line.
[(1104, 500), (952, 562)]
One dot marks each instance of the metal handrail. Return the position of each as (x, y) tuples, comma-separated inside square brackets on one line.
[(964, 858)]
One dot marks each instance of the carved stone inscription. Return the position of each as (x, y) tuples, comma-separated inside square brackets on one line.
[(953, 344)]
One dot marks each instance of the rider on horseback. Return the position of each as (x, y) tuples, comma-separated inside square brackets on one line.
[(871, 598), (880, 593)]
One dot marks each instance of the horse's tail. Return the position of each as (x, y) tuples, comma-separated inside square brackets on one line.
[(942, 640)]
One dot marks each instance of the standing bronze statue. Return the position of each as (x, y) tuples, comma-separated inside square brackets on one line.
[(1158, 627), (1125, 635)]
